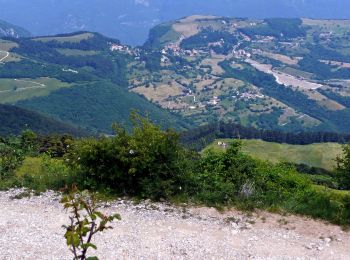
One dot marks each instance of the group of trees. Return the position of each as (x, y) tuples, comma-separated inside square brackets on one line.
[(206, 36), (14, 120), (102, 64), (276, 27), (156, 35), (200, 137), (13, 151), (96, 106), (322, 70)]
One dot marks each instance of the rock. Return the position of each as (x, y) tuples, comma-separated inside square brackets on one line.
[(327, 240)]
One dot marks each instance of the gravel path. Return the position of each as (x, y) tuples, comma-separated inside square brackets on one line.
[(30, 228)]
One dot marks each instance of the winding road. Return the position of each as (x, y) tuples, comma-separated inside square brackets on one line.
[(38, 85), (6, 55)]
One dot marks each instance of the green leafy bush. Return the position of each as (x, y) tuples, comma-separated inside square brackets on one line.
[(343, 168), (220, 178), (11, 157), (148, 162)]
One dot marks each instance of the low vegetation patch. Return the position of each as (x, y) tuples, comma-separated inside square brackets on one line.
[(151, 163)]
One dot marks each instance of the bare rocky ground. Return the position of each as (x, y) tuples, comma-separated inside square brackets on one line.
[(30, 228)]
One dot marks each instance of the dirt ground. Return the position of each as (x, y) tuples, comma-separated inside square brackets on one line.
[(30, 228)]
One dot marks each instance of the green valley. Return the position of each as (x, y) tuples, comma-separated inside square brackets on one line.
[(279, 74)]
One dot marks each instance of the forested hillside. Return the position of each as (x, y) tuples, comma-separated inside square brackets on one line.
[(14, 120), (79, 78)]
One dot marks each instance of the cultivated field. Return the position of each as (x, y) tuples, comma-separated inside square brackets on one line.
[(213, 62), (7, 45), (280, 57)]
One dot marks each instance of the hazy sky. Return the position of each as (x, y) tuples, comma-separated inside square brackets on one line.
[(130, 20)]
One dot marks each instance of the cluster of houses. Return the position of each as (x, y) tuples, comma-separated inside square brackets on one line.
[(121, 48), (70, 70), (222, 144), (247, 96), (241, 54), (217, 44), (326, 35), (175, 49), (214, 101), (264, 39)]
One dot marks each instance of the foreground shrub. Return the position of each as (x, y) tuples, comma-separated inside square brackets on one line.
[(148, 162), (343, 168), (11, 157), (151, 163), (324, 204), (85, 222), (224, 177)]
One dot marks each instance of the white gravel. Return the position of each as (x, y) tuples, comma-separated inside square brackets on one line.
[(30, 228)]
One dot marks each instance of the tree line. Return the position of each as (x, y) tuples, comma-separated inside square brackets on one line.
[(200, 137)]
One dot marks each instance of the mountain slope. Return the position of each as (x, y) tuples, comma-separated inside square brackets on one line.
[(281, 74), (97, 106), (10, 30), (14, 120), (80, 78), (287, 74)]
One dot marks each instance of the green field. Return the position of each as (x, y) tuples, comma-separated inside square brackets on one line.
[(317, 155), (13, 90), (7, 45)]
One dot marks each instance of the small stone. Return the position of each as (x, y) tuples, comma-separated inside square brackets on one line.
[(327, 240)]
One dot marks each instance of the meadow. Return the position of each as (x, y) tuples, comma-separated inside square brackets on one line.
[(321, 155), (13, 90)]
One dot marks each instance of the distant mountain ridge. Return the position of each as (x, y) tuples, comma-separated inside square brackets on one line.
[(10, 30), (116, 18)]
